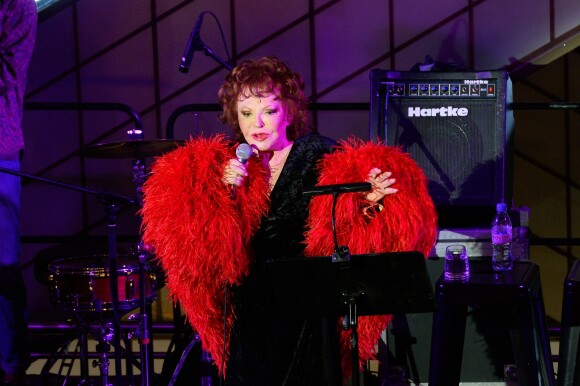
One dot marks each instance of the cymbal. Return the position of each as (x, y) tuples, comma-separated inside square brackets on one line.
[(135, 149)]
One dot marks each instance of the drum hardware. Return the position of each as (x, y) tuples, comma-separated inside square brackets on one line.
[(112, 204), (63, 352), (112, 211), (195, 339), (103, 333), (138, 149), (80, 286), (144, 332), (105, 336)]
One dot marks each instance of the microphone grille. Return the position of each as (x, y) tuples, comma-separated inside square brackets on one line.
[(243, 152)]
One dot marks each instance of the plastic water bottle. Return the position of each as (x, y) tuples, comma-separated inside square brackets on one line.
[(501, 239)]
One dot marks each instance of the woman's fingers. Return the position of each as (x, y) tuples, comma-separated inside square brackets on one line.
[(381, 185), (234, 173)]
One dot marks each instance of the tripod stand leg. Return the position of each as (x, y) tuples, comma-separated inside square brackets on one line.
[(205, 369), (67, 358), (384, 360), (184, 355), (60, 353), (403, 347), (84, 354)]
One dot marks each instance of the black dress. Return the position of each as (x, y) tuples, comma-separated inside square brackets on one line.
[(268, 348)]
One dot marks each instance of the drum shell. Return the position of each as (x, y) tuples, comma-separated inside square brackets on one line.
[(83, 284)]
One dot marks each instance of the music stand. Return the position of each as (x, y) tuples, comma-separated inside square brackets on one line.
[(368, 284)]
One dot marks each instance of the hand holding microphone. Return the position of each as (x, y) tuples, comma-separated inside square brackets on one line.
[(235, 171)]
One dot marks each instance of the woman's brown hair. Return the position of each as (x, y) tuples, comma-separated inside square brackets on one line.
[(258, 77)]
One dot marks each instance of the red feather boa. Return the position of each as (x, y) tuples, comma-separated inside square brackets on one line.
[(408, 221), (201, 235)]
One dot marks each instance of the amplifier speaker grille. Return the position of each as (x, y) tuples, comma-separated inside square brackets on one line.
[(458, 128)]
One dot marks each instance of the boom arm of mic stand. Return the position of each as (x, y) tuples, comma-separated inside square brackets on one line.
[(209, 52), (106, 197), (341, 253)]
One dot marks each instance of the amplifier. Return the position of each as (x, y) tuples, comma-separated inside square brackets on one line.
[(458, 127)]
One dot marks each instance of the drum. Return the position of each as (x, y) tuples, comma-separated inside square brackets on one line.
[(83, 284)]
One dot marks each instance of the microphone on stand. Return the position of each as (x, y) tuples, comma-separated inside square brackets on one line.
[(194, 44), (341, 252), (337, 189)]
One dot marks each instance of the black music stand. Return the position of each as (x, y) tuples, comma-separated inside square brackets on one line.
[(369, 284)]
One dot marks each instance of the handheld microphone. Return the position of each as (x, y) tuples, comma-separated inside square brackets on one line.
[(194, 44), (244, 152)]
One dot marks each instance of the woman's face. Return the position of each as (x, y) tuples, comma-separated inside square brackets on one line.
[(263, 122)]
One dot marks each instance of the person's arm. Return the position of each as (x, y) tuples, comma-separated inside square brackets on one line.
[(17, 37)]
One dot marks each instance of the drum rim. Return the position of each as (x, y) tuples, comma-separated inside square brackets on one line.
[(62, 265)]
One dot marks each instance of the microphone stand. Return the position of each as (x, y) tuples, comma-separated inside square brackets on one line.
[(112, 202), (106, 197), (196, 44), (209, 52), (201, 46), (342, 255)]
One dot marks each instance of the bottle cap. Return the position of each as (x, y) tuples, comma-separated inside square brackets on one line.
[(501, 207)]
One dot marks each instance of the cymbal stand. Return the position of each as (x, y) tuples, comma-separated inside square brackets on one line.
[(144, 331)]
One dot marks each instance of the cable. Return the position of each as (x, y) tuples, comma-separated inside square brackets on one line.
[(225, 333), (222, 35)]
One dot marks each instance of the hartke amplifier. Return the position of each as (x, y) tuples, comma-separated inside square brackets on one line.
[(458, 127)]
